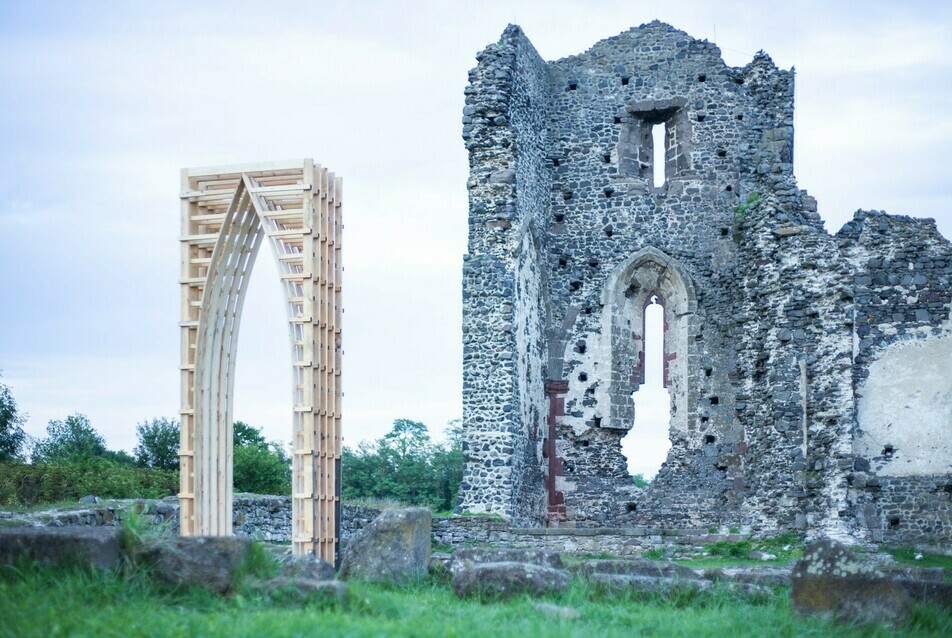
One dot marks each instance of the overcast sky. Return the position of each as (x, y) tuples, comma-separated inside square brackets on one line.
[(103, 102)]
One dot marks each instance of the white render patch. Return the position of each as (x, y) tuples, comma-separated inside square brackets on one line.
[(904, 409)]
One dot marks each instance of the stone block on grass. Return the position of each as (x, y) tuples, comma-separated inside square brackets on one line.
[(395, 546), (98, 547)]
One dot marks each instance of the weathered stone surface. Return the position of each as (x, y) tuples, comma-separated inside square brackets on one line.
[(395, 546), (93, 547), (467, 557), (640, 567), (306, 567), (773, 576), (831, 582), (556, 611), (195, 561), (646, 584), (507, 579)]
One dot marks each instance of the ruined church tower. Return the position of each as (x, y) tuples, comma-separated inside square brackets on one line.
[(646, 170)]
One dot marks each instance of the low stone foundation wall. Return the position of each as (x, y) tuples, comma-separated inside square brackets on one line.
[(480, 530)]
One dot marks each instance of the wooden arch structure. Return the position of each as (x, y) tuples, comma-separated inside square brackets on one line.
[(227, 213)]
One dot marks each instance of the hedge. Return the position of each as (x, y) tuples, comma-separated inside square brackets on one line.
[(22, 484)]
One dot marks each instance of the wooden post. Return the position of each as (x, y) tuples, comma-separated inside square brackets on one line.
[(226, 214)]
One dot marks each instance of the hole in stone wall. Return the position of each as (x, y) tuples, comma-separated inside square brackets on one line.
[(894, 522), (631, 507), (705, 419), (701, 117), (624, 81), (646, 445), (606, 158), (608, 231), (609, 192), (724, 232), (658, 154), (702, 78), (597, 421), (721, 153), (593, 263), (580, 347), (889, 450), (573, 86), (563, 261), (617, 120), (710, 438), (575, 285), (707, 372), (558, 216), (555, 161), (715, 401), (583, 377), (728, 188), (584, 443), (566, 194), (740, 118)]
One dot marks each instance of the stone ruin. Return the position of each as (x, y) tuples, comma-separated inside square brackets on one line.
[(810, 374)]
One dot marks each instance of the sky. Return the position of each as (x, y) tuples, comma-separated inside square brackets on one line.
[(103, 102)]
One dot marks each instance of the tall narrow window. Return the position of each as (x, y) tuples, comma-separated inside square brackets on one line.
[(658, 154), (647, 443)]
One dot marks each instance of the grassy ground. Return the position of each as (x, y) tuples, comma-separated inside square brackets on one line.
[(49, 602)]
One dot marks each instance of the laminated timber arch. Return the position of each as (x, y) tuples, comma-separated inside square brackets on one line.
[(227, 213)]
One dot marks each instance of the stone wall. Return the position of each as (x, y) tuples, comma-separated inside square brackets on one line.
[(782, 342)]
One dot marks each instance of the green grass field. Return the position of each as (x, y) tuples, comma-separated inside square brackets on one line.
[(55, 602)]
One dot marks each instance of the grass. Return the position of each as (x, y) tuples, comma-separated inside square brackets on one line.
[(787, 547), (58, 602), (907, 556)]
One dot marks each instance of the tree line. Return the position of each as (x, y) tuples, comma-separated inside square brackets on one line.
[(73, 460)]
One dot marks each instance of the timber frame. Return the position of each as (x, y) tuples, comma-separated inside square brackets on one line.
[(227, 212)]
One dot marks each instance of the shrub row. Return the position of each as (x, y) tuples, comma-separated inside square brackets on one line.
[(22, 484)]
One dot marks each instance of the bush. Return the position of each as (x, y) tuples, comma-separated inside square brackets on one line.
[(158, 444), (259, 467), (22, 484)]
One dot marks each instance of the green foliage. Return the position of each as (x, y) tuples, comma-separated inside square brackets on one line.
[(259, 467), (71, 441), (22, 484), (405, 465), (158, 444), (740, 211), (12, 436), (655, 553), (727, 549), (640, 481)]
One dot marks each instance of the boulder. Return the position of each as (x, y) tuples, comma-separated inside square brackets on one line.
[(309, 567), (556, 611), (97, 547), (395, 546), (507, 579), (465, 558), (637, 567), (646, 584), (305, 589), (831, 582), (195, 561)]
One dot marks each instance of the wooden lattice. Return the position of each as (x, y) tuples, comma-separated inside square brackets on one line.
[(227, 212)]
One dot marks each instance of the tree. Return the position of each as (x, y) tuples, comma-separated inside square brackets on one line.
[(405, 465), (259, 467), (71, 441), (158, 444), (12, 436)]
